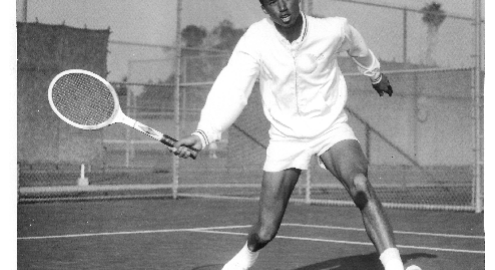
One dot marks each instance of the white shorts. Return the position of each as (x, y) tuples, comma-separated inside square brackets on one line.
[(285, 153)]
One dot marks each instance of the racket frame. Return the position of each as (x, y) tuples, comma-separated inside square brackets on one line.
[(109, 121), (117, 116)]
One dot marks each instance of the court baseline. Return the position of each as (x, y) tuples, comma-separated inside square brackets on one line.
[(218, 230)]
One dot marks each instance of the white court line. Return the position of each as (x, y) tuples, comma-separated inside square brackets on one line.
[(212, 230), (395, 232), (130, 232), (352, 242)]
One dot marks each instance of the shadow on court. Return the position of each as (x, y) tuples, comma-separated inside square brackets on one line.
[(369, 262)]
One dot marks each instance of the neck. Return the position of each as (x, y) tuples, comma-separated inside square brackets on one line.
[(292, 32)]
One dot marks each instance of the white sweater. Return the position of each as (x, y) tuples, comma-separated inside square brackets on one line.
[(302, 87)]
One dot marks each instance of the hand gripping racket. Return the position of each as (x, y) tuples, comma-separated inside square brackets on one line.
[(87, 101)]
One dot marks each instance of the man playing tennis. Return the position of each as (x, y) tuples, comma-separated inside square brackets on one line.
[(294, 57)]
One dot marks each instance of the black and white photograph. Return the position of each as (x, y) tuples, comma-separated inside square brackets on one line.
[(246, 134)]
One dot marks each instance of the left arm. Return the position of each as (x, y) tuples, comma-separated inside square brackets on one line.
[(365, 60)]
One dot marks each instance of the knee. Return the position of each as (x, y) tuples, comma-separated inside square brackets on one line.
[(360, 190), (265, 234), (360, 183)]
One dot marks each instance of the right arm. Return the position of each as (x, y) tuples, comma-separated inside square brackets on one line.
[(228, 96), (226, 100)]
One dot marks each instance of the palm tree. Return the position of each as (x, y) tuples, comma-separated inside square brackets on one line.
[(433, 17)]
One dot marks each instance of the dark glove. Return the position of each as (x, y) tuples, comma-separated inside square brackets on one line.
[(383, 86)]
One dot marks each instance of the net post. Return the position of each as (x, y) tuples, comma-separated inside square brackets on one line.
[(178, 51), (83, 180)]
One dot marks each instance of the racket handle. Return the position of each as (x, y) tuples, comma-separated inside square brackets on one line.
[(155, 134), (169, 141)]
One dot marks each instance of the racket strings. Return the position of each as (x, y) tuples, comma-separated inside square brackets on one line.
[(83, 99)]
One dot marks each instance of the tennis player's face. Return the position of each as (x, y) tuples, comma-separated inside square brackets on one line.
[(282, 12)]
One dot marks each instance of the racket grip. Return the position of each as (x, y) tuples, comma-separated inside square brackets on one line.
[(169, 141)]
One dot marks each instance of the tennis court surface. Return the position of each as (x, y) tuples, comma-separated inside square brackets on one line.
[(191, 233)]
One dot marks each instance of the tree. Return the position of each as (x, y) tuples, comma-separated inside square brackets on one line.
[(433, 17), (225, 36), (193, 36), (201, 60)]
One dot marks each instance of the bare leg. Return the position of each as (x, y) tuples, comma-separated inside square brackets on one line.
[(276, 190), (347, 162)]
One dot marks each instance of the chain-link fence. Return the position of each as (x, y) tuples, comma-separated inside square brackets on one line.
[(421, 143), (132, 45)]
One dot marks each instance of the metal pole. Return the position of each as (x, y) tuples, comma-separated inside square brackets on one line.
[(18, 183), (404, 44), (477, 105), (178, 50), (134, 115), (128, 131)]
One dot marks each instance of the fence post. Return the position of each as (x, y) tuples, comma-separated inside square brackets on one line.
[(404, 41), (128, 131), (478, 159), (178, 50), (18, 183)]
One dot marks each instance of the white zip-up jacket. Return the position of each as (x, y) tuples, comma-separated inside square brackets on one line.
[(303, 90)]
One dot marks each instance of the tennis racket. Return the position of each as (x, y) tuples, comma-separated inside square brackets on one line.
[(87, 101)]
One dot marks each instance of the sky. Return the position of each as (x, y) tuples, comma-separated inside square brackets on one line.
[(154, 22)]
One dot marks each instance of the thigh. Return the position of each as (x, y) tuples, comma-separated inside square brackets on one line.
[(345, 160), (276, 190)]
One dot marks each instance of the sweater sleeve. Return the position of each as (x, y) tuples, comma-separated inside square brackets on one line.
[(365, 59), (230, 92)]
